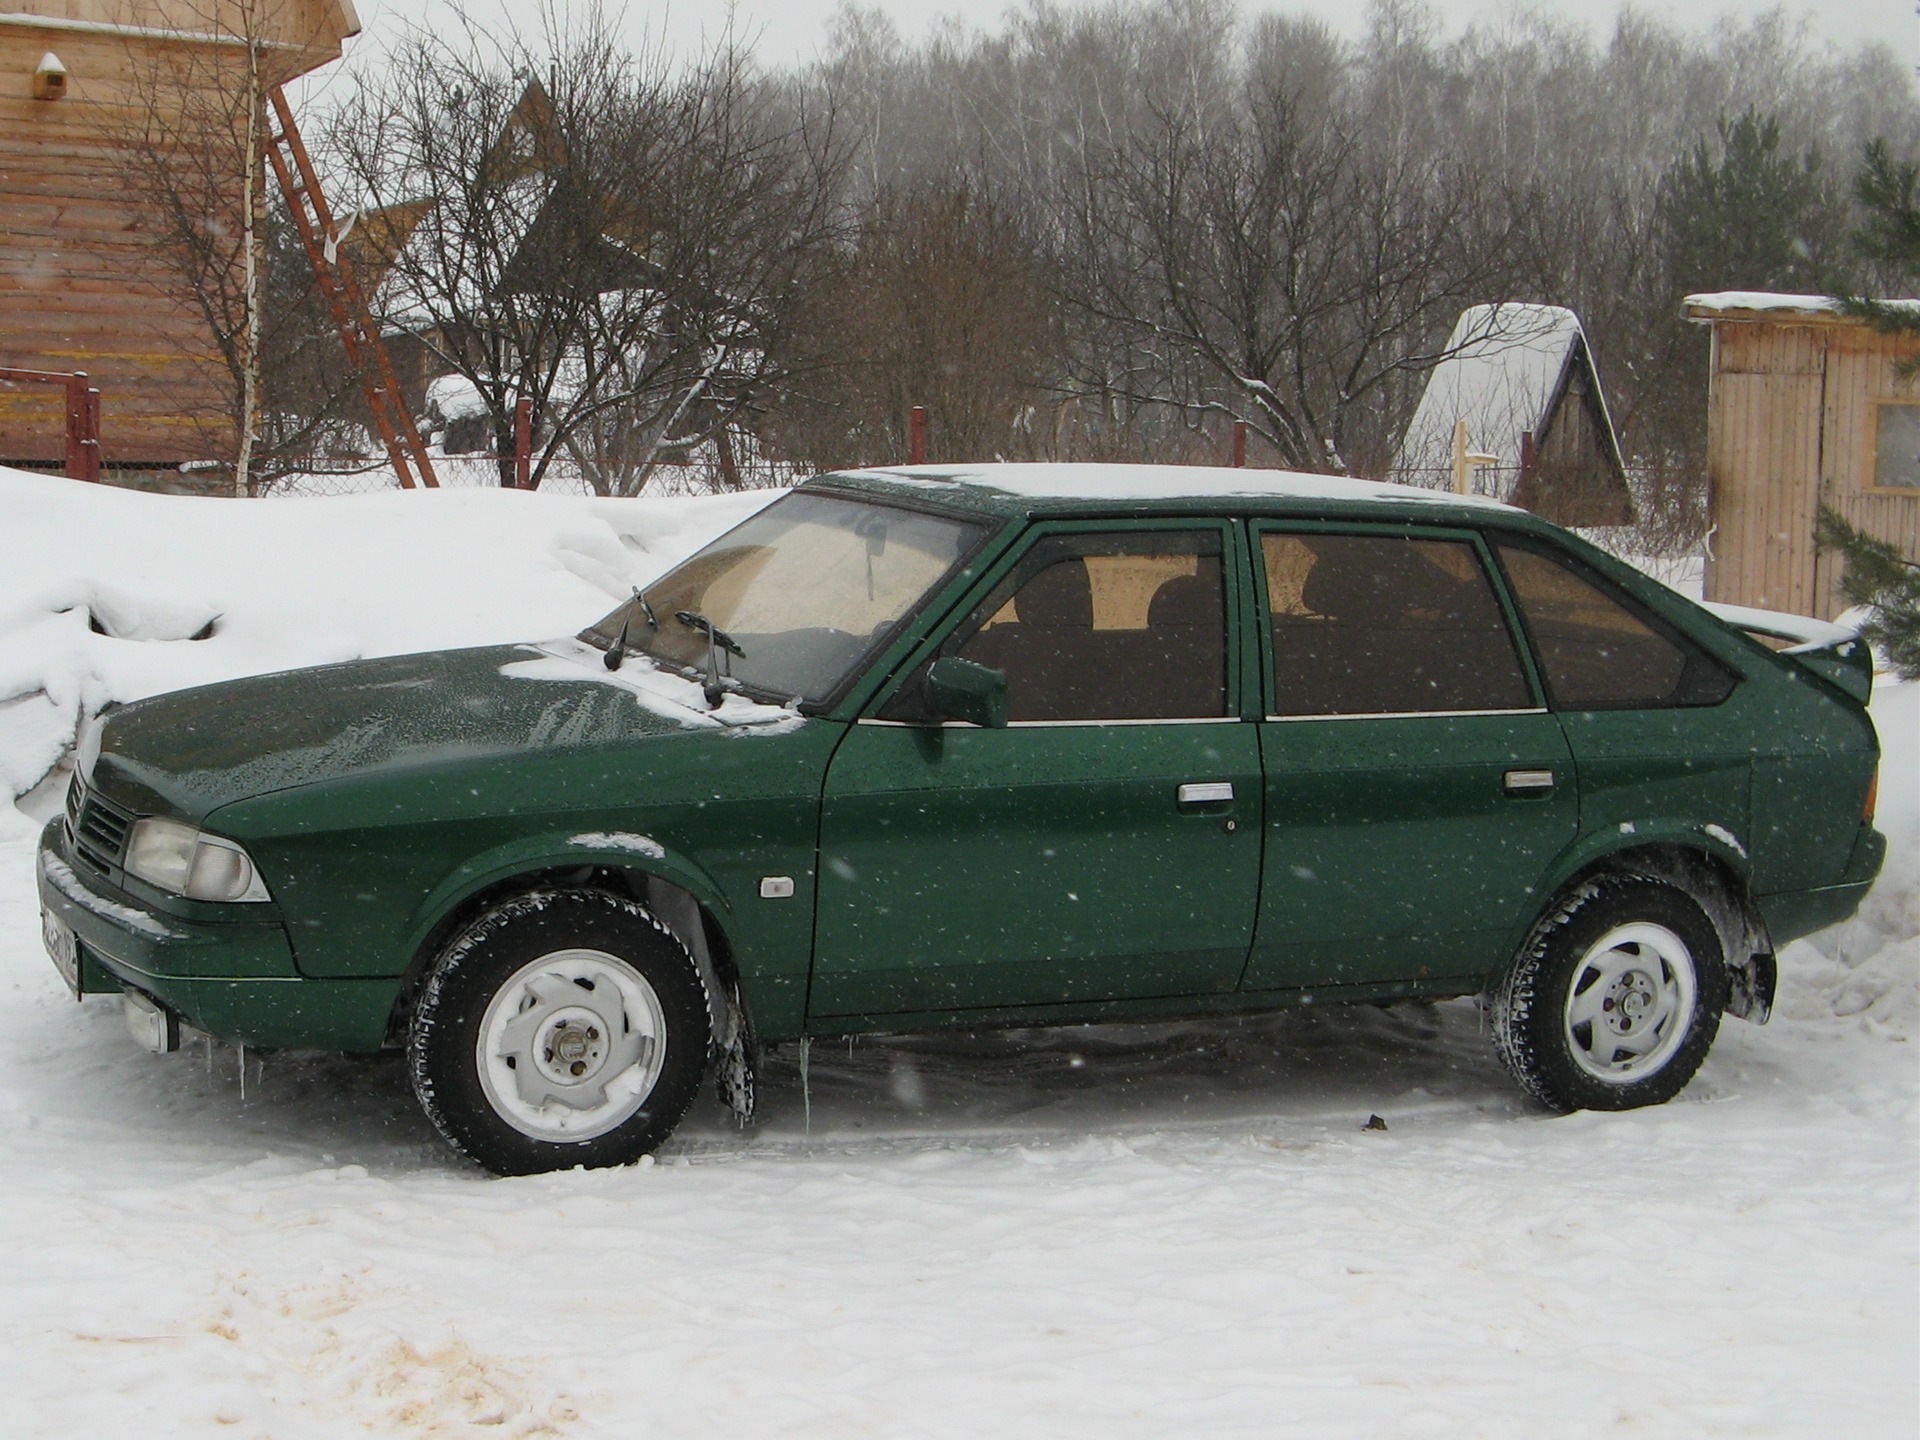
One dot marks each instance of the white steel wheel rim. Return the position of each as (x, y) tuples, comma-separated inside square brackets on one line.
[(1631, 1002), (572, 1045)]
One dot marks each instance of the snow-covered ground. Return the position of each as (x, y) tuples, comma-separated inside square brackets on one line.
[(1164, 1230)]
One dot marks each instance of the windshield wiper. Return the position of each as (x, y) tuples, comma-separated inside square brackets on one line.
[(716, 684), (617, 652)]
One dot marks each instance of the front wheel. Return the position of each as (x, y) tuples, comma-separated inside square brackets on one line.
[(1615, 998), (562, 1028)]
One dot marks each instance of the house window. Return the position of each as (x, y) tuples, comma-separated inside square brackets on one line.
[(1896, 446)]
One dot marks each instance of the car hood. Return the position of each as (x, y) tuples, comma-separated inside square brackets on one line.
[(192, 751)]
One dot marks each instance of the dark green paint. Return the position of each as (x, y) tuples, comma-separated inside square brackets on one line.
[(957, 875)]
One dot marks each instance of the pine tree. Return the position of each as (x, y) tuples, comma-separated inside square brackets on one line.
[(1879, 577), (1749, 217), (1889, 192)]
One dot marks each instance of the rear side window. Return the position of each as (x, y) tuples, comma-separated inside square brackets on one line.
[(1384, 624), (1598, 653)]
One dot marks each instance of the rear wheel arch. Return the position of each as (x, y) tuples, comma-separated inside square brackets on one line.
[(1707, 877), (1615, 997), (1713, 879)]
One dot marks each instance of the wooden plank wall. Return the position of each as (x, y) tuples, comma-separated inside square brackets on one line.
[(79, 289), (1789, 424), (1860, 369), (1763, 463)]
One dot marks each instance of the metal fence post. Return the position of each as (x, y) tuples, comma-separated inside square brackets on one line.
[(523, 443), (917, 436), (83, 428)]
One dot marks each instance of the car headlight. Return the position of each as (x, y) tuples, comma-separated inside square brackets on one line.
[(185, 860)]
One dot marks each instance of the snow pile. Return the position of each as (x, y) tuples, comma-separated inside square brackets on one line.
[(111, 595)]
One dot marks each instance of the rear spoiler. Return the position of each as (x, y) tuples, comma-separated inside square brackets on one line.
[(1833, 652)]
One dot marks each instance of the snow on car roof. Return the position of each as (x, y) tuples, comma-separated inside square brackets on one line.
[(1102, 482)]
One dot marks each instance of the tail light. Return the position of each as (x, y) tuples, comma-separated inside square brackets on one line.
[(1873, 797)]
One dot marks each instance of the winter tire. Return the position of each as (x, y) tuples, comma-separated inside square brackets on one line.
[(1614, 998), (562, 1028)]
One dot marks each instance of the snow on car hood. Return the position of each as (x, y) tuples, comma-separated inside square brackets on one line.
[(193, 751)]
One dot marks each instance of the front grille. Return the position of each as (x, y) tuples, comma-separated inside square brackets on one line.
[(99, 829)]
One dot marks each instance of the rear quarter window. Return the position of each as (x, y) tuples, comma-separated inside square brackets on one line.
[(1597, 649)]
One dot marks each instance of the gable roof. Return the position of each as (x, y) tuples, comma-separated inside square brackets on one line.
[(1508, 370)]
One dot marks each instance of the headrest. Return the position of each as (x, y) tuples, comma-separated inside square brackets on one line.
[(1376, 580), (1187, 599), (1060, 596)]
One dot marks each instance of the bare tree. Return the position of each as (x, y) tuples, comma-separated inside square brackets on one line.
[(614, 240), (941, 302), (1287, 252)]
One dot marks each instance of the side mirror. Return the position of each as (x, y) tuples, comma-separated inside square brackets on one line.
[(961, 690)]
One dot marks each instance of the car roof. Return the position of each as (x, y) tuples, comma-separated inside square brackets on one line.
[(1042, 490)]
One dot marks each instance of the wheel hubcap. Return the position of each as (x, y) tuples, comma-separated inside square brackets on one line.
[(1631, 1002), (572, 1045)]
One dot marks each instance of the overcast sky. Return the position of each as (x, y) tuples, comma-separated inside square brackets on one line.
[(794, 30)]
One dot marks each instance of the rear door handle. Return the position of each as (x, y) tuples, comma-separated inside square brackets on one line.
[(1205, 792), (1529, 782)]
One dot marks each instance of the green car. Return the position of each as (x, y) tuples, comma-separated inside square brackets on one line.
[(1000, 745)]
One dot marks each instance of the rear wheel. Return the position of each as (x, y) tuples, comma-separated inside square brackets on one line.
[(562, 1028), (1615, 999)]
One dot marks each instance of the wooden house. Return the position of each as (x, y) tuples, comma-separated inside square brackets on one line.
[(78, 289), (1806, 407), (1521, 381)]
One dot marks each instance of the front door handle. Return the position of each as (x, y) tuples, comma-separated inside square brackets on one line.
[(1205, 792), (1529, 782)]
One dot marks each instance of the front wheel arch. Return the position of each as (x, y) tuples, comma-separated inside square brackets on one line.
[(632, 883), (562, 1027)]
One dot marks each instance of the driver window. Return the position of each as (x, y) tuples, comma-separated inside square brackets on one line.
[(1108, 627)]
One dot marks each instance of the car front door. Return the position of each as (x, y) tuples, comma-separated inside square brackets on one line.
[(1105, 844), (1416, 787)]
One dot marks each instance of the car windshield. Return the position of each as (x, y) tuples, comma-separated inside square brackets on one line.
[(804, 590)]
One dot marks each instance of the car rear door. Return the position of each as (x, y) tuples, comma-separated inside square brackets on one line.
[(1417, 789), (1104, 845)]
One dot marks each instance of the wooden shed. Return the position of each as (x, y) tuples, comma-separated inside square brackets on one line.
[(1805, 408), (77, 289)]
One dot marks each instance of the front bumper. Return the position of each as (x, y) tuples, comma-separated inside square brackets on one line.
[(232, 978)]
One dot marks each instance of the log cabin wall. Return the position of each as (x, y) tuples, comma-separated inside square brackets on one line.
[(1790, 428), (79, 287)]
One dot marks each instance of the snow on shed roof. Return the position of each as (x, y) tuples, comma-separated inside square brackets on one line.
[(1753, 304), (1507, 367)]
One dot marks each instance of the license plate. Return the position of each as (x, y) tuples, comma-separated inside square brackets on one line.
[(64, 948)]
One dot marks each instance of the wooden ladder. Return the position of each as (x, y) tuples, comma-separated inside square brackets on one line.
[(366, 352)]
